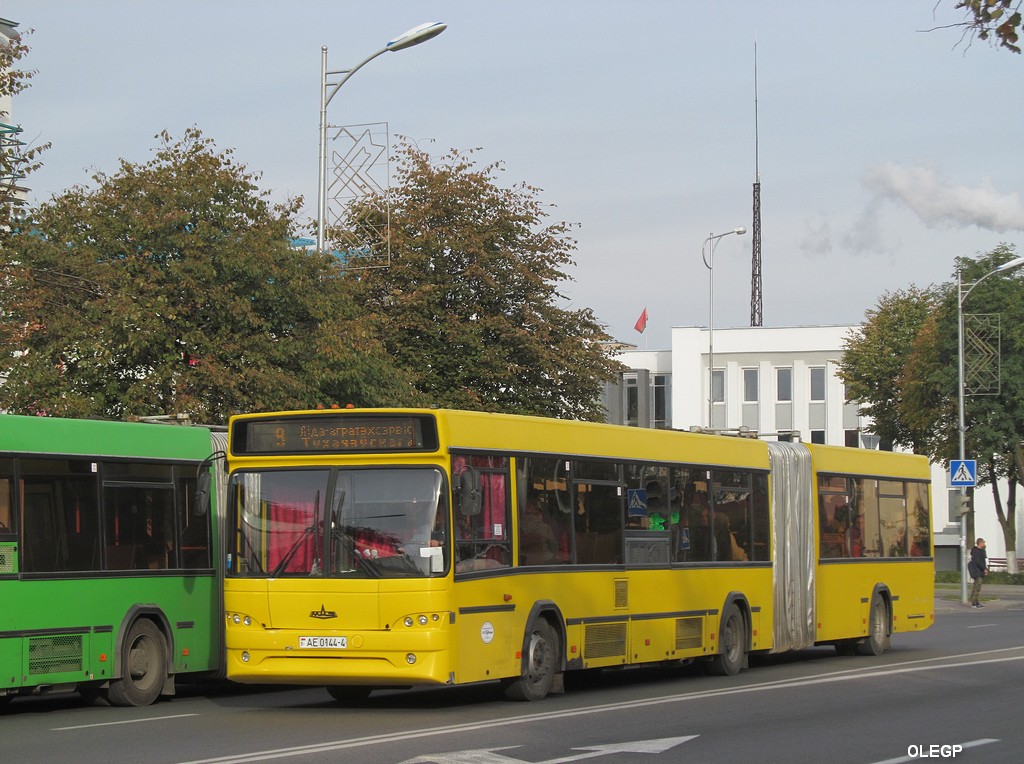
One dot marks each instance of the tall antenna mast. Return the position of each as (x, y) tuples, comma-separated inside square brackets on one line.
[(755, 260)]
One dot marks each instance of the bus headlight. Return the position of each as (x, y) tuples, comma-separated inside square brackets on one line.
[(245, 656), (236, 618), (423, 620), (247, 621), (408, 621), (410, 658)]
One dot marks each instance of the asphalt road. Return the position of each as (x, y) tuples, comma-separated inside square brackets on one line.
[(954, 685)]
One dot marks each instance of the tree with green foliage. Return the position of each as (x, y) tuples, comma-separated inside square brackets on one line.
[(16, 161), (994, 419), (171, 287), (872, 364), (470, 303)]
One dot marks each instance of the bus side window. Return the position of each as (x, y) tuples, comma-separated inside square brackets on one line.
[(6, 496), (482, 532)]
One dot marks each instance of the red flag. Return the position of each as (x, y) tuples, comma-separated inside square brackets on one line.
[(641, 323)]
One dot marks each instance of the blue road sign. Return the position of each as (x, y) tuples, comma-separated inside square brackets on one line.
[(963, 472), (636, 500)]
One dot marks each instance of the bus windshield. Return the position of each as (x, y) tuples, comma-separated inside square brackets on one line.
[(349, 523)]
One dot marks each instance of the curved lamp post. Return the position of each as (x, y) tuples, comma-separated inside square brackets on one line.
[(414, 36), (709, 263), (962, 427)]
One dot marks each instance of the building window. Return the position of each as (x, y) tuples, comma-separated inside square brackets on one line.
[(662, 390), (818, 436), (784, 385), (853, 438), (750, 384), (818, 384), (632, 395), (718, 386)]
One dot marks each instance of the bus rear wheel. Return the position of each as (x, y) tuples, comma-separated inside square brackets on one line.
[(732, 644), (540, 663), (145, 667), (878, 629)]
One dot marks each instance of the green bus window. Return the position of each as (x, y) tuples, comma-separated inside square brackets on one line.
[(194, 550), (7, 496), (60, 516), (139, 527)]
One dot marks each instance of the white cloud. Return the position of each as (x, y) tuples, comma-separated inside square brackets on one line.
[(816, 238), (940, 203)]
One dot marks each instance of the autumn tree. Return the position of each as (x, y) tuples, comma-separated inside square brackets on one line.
[(471, 302), (873, 359), (996, 21), (171, 287)]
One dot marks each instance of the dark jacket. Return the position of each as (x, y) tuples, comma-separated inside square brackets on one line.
[(978, 566)]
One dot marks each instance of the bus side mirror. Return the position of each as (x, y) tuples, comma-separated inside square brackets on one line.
[(470, 502), (204, 479), (203, 494)]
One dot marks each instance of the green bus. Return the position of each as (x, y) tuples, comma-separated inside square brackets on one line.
[(108, 576)]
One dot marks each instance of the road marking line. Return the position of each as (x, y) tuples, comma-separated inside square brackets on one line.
[(125, 721)]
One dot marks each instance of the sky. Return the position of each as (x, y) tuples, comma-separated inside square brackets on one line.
[(886, 146)]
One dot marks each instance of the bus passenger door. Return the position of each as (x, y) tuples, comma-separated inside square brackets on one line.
[(482, 601)]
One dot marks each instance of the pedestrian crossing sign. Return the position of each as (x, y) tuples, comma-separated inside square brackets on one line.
[(636, 499), (963, 472)]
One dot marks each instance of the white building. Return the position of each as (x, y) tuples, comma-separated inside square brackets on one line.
[(782, 383)]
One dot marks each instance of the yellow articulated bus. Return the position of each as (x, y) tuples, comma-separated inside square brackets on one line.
[(384, 548)]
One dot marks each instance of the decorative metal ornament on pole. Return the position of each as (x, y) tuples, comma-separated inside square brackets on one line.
[(412, 37), (709, 263), (962, 426)]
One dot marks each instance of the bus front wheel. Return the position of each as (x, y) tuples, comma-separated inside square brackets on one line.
[(145, 667), (540, 663)]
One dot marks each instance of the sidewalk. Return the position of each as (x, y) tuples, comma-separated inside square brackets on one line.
[(996, 596)]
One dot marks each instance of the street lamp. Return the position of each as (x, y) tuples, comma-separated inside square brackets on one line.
[(414, 36), (709, 263), (961, 296)]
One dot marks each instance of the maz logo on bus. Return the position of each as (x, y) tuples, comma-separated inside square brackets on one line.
[(322, 613)]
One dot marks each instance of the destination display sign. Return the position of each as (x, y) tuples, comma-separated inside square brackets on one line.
[(334, 433)]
